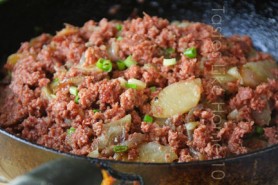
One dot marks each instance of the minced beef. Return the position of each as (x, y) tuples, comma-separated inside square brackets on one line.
[(59, 98)]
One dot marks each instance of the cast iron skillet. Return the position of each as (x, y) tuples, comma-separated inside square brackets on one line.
[(23, 19)]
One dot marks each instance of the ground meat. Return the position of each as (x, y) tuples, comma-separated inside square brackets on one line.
[(272, 135), (70, 92)]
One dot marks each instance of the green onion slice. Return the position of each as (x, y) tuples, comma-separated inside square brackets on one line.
[(190, 52), (119, 27), (96, 110), (119, 38), (104, 65), (153, 89), (55, 80), (71, 130), (120, 148), (169, 62), (259, 130), (169, 51), (129, 61), (74, 91), (132, 86), (121, 65), (76, 99), (147, 118)]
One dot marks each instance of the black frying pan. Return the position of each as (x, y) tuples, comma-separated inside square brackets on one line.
[(23, 19)]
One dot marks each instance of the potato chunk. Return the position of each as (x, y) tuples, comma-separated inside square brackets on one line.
[(156, 153), (177, 98), (255, 73)]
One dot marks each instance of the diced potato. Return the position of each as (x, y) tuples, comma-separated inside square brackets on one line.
[(249, 78), (224, 78), (255, 73), (177, 98), (156, 153), (114, 132)]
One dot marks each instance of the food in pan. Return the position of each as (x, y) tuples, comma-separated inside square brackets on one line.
[(144, 89)]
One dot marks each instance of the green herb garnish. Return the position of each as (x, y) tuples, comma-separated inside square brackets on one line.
[(190, 52), (120, 148)]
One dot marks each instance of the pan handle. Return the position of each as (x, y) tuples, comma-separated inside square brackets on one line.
[(122, 176), (67, 171), (62, 172)]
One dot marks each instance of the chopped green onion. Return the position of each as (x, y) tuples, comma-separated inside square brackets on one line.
[(96, 110), (132, 86), (153, 89), (259, 130), (129, 61), (190, 52), (147, 118), (76, 99), (169, 62), (55, 80), (119, 38), (121, 65), (73, 90), (120, 148), (119, 27), (139, 84), (169, 51), (104, 65), (54, 84), (71, 130)]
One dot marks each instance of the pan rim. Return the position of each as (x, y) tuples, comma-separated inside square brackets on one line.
[(103, 161)]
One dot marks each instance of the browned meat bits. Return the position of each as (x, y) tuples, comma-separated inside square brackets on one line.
[(143, 89)]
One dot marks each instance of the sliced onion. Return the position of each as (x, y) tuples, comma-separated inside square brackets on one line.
[(139, 84), (190, 129), (191, 125), (114, 132), (113, 51), (235, 73), (47, 93), (262, 117), (122, 81)]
